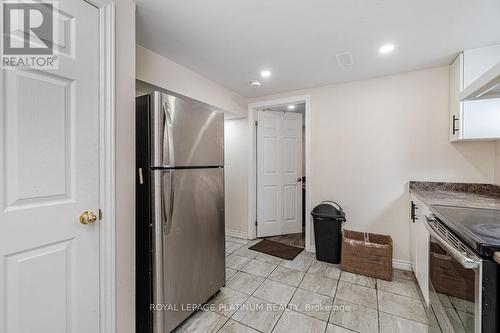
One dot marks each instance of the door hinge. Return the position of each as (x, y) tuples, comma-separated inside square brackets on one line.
[(413, 214), (256, 123), (100, 214), (255, 223), (455, 129)]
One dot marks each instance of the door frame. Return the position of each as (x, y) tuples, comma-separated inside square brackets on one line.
[(252, 166), (107, 249)]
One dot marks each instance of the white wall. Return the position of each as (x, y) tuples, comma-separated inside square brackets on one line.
[(125, 166), (497, 164), (236, 175), (369, 138), (164, 73)]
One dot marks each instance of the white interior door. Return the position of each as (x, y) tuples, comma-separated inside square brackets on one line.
[(49, 174), (279, 173)]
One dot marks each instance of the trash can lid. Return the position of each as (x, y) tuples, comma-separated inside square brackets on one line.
[(329, 210)]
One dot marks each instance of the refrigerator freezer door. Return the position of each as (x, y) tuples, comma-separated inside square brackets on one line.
[(185, 133), (191, 232)]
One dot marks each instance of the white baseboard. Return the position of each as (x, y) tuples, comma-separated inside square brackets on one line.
[(396, 263), (236, 234), (401, 264)]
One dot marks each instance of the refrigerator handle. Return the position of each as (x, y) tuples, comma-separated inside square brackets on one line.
[(168, 202), (168, 139)]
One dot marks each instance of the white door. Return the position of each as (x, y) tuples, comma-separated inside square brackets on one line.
[(279, 173), (49, 174)]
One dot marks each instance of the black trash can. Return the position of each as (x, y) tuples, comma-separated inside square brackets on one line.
[(328, 217)]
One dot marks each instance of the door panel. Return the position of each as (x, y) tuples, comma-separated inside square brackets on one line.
[(186, 133), (49, 174), (279, 168), (269, 177), (290, 203), (271, 153), (193, 241), (29, 142), (292, 172), (270, 212), (51, 265)]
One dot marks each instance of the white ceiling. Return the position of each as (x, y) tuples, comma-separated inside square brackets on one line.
[(231, 41)]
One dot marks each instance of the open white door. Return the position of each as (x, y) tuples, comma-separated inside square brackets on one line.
[(279, 173), (49, 175)]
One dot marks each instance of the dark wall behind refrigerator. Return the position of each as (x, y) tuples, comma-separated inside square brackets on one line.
[(143, 231)]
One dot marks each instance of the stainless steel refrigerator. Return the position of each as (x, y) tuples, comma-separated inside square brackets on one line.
[(179, 209)]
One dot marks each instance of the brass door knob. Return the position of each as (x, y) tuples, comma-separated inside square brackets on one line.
[(87, 217)]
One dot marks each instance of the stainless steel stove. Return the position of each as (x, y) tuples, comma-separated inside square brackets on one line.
[(464, 278), (479, 228)]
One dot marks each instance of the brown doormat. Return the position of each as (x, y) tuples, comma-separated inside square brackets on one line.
[(276, 249)]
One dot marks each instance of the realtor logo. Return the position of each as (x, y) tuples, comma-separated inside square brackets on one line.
[(29, 34)]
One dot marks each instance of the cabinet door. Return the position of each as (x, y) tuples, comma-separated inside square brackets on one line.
[(456, 86), (481, 119), (422, 254), (473, 120)]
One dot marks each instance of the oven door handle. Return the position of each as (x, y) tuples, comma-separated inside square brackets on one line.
[(459, 256)]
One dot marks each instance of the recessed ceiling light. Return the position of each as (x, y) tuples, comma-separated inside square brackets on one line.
[(387, 48), (255, 84), (291, 107), (265, 73)]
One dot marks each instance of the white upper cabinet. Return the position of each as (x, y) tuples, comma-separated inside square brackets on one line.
[(456, 84), (479, 119), (479, 61)]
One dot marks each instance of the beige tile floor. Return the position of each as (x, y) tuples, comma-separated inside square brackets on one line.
[(267, 294)]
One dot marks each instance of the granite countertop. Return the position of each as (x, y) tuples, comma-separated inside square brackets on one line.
[(457, 194)]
